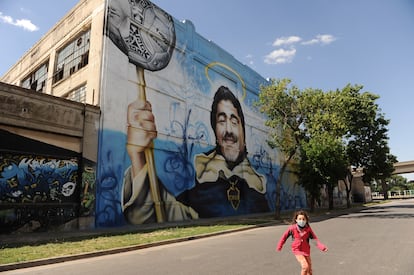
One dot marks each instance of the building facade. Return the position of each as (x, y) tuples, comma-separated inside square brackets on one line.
[(179, 136)]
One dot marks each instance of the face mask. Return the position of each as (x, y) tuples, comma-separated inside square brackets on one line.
[(301, 223)]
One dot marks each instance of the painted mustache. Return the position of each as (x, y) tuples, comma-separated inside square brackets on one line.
[(230, 137)]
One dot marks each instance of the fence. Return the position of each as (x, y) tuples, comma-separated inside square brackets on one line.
[(394, 194)]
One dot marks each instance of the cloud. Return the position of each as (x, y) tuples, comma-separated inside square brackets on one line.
[(323, 39), (286, 47), (281, 41), (26, 24), (280, 56)]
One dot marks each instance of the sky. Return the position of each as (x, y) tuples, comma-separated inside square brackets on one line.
[(323, 44)]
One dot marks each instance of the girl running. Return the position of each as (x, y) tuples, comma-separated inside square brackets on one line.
[(301, 232)]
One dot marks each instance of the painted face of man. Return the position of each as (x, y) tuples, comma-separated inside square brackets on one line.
[(229, 131)]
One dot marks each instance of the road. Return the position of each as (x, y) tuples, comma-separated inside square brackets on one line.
[(377, 240)]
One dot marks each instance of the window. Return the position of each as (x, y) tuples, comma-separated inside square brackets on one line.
[(78, 94), (36, 80), (72, 57)]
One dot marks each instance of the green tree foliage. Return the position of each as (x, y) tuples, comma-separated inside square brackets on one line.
[(313, 182), (368, 148), (324, 146), (324, 134), (325, 155), (394, 183), (280, 102)]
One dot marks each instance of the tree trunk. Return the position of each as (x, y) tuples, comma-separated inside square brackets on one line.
[(279, 184), (348, 200), (349, 178), (384, 186), (330, 196), (278, 188), (312, 203)]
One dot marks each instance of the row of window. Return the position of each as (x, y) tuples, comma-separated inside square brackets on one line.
[(78, 94), (37, 80), (71, 58)]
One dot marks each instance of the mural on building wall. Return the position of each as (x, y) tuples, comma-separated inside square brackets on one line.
[(87, 194), (35, 190), (181, 137)]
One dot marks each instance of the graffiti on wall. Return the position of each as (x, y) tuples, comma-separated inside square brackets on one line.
[(31, 179), (31, 184), (181, 137), (87, 194)]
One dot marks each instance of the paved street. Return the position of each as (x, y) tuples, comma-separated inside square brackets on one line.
[(378, 240)]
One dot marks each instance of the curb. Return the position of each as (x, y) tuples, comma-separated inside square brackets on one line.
[(61, 259)]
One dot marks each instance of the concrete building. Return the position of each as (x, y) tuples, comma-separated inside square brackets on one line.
[(66, 62), (177, 134)]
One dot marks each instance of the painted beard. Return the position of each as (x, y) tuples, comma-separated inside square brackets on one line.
[(230, 147)]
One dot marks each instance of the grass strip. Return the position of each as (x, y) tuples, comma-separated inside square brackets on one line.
[(9, 255)]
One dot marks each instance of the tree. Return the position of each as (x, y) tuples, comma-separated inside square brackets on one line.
[(325, 153), (306, 125), (310, 180), (359, 112), (325, 134), (324, 146), (368, 148), (380, 169), (322, 162), (280, 102), (346, 118), (397, 183)]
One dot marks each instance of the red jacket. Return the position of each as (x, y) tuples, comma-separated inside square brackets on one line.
[(300, 243)]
